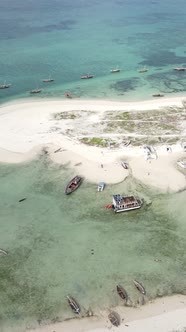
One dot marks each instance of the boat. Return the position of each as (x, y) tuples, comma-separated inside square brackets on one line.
[(101, 186), (116, 70), (158, 95), (5, 86), (181, 163), (139, 287), (122, 292), (180, 69), (143, 70), (114, 318), (125, 203), (22, 199), (73, 184), (47, 80), (124, 165), (3, 252), (35, 91), (85, 77), (73, 304)]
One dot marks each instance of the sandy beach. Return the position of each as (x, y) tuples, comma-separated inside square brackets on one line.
[(164, 314), (30, 128), (26, 127)]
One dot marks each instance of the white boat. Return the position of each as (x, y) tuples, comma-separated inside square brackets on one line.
[(125, 203), (101, 186), (181, 163)]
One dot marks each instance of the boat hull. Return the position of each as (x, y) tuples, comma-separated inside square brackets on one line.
[(73, 185), (127, 209)]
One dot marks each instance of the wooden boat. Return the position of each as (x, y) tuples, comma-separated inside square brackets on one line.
[(122, 292), (114, 318), (85, 77), (158, 95), (73, 304), (116, 70), (139, 287), (180, 69), (47, 80), (73, 184), (5, 86), (35, 91), (124, 165), (3, 252), (143, 70)]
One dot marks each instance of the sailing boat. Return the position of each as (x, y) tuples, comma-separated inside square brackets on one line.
[(115, 70), (47, 80), (5, 86), (143, 70)]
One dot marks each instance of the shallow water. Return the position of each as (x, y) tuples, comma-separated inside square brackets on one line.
[(67, 39), (50, 237)]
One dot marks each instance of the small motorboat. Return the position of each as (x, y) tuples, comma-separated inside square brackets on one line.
[(73, 184), (35, 91), (108, 206), (73, 304), (116, 70), (122, 292), (124, 165), (101, 186), (22, 199), (158, 95), (114, 318), (139, 287), (85, 77)]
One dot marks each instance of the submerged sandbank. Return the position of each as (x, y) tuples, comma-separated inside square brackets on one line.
[(27, 127)]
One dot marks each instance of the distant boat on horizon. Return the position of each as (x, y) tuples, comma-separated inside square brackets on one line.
[(5, 86)]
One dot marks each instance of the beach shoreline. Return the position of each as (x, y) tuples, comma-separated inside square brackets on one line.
[(162, 314), (29, 129)]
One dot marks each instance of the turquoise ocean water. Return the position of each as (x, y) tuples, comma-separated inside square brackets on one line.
[(61, 245), (49, 236), (67, 39)]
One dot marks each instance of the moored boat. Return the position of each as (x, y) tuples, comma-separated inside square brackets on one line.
[(35, 91), (73, 184), (48, 80), (180, 68), (139, 287), (181, 163), (86, 77), (114, 318), (116, 70), (158, 95), (143, 70), (124, 165), (122, 292), (125, 203), (73, 304), (5, 86), (101, 186), (3, 252)]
